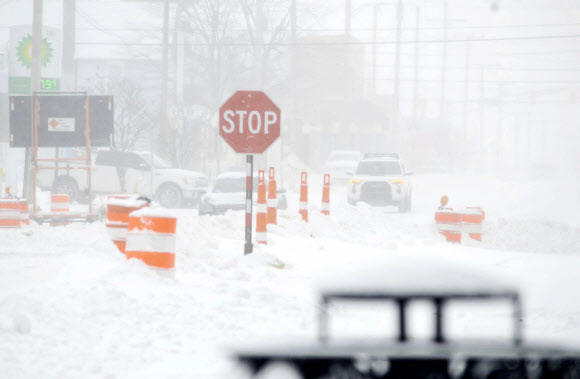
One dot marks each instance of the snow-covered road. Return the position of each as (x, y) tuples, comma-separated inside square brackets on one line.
[(71, 306)]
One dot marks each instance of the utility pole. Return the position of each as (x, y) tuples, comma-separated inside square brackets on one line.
[(416, 73), (397, 72), (68, 45), (179, 56), (35, 74), (163, 127), (374, 51), (294, 73), (481, 113), (347, 19), (499, 138), (442, 112), (466, 92)]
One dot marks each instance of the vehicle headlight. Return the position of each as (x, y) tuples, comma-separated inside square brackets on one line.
[(355, 182), (396, 181)]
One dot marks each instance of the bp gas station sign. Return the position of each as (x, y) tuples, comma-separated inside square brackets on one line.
[(20, 59)]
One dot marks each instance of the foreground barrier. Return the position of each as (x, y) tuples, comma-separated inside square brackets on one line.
[(151, 237), (261, 210), (472, 222), (448, 223), (272, 213), (118, 209), (325, 210), (9, 214), (303, 210)]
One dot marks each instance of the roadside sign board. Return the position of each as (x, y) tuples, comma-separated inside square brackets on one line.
[(249, 122)]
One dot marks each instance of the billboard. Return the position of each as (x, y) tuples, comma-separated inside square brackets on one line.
[(62, 121)]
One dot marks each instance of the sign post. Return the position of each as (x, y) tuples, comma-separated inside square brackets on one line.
[(249, 122), (248, 246)]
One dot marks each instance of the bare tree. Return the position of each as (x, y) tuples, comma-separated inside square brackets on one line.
[(133, 114), (265, 41)]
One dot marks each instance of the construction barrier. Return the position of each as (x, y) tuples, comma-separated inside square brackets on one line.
[(151, 237), (118, 209), (472, 222), (261, 210), (303, 210), (326, 195), (59, 205), (9, 214), (481, 210), (24, 213), (272, 213), (448, 223)]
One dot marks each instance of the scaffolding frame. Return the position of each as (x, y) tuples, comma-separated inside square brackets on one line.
[(83, 164)]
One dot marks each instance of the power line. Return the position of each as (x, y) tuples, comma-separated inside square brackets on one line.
[(495, 82), (511, 69), (304, 30), (343, 43)]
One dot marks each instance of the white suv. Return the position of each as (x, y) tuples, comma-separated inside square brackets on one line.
[(118, 172), (380, 179)]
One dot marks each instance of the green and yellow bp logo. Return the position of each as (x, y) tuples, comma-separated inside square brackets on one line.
[(24, 51)]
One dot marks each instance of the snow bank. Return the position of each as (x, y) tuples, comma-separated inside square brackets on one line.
[(71, 305)]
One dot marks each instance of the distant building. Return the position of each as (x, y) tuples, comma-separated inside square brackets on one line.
[(331, 101)]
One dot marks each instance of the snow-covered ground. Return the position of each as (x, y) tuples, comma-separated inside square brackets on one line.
[(71, 306)]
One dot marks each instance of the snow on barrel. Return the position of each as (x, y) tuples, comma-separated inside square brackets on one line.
[(118, 209), (151, 237)]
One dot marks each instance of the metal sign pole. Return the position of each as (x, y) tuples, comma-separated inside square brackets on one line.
[(248, 247)]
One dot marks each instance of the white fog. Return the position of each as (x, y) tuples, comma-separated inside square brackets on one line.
[(405, 155)]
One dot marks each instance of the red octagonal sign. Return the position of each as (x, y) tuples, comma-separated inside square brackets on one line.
[(249, 122)]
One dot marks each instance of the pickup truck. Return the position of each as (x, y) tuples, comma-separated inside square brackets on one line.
[(119, 172)]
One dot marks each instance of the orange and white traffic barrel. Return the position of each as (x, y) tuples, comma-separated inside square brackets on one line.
[(151, 237), (482, 211), (9, 214), (118, 209), (24, 213), (448, 223), (59, 202), (303, 210), (325, 210), (472, 219), (261, 210), (59, 206), (272, 212)]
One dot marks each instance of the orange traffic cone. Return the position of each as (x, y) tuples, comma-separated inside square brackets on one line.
[(303, 210), (272, 200), (326, 195), (261, 210)]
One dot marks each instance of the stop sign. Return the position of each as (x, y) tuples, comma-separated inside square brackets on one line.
[(249, 122)]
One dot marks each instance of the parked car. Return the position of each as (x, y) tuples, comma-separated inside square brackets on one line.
[(340, 162), (381, 179), (228, 192), (117, 172), (403, 281)]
